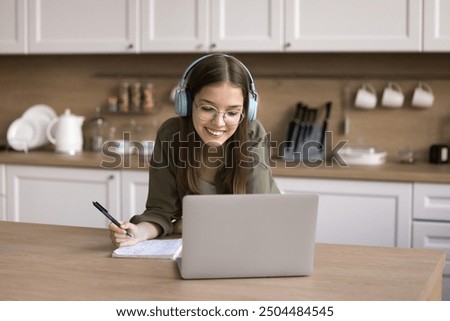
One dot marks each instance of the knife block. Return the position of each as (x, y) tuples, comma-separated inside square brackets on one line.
[(305, 138), (308, 149)]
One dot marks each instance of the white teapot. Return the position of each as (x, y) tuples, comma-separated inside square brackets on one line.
[(68, 133)]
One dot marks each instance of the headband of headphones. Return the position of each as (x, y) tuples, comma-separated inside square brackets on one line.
[(183, 99)]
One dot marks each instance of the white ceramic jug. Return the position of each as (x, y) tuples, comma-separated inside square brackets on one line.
[(68, 134)]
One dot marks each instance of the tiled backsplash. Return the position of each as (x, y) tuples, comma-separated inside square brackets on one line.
[(83, 82)]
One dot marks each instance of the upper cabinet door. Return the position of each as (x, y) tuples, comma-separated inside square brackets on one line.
[(174, 25), (353, 25), (12, 26), (437, 25), (250, 25), (83, 26)]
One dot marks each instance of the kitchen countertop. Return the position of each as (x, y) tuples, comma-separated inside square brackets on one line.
[(395, 172)]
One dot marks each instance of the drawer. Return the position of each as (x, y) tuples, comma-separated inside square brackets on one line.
[(433, 235), (431, 202), (2, 180)]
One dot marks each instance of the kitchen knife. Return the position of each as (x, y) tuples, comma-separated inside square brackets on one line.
[(325, 123), (294, 127), (311, 122), (302, 129)]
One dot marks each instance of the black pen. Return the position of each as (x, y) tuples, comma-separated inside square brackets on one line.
[(105, 212)]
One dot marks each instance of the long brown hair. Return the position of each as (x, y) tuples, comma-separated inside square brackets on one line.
[(216, 68)]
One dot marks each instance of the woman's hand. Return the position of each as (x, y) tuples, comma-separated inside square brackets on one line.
[(140, 232)]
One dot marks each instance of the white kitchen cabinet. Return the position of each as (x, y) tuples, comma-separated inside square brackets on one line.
[(174, 26), (134, 192), (12, 26), (2, 193), (211, 25), (436, 25), (353, 25), (431, 202), (358, 212), (83, 26), (134, 26), (60, 195), (431, 225), (249, 25), (435, 235), (2, 180)]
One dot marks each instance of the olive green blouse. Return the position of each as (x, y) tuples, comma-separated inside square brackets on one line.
[(164, 205)]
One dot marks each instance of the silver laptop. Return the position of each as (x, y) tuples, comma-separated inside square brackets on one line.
[(252, 235)]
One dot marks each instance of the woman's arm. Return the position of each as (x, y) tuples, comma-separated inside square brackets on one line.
[(163, 205), (260, 180)]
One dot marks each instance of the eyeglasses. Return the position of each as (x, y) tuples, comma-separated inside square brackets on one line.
[(208, 113)]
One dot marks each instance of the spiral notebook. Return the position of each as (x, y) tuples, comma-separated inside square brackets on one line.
[(154, 249)]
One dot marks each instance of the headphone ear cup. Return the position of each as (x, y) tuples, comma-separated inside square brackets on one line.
[(252, 106), (183, 102)]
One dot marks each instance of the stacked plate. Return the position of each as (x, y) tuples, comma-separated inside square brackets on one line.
[(29, 131)]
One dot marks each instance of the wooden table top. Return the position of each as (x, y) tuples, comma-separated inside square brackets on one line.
[(48, 262)]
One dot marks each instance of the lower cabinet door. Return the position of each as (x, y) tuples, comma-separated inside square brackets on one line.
[(435, 235), (358, 212), (60, 195), (134, 192)]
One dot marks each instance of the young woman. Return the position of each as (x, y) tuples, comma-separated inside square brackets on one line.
[(215, 146)]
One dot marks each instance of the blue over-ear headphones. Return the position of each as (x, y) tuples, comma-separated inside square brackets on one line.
[(183, 99)]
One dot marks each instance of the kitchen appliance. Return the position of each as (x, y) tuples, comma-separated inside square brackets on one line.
[(439, 154), (65, 132)]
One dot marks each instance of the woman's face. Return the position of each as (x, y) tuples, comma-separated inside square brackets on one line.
[(226, 98)]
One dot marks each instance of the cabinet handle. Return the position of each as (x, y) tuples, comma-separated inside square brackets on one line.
[(213, 46), (110, 177), (287, 44), (130, 46)]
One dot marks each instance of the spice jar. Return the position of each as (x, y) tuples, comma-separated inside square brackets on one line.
[(136, 97), (124, 97), (148, 98)]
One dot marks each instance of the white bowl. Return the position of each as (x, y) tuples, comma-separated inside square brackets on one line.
[(362, 156)]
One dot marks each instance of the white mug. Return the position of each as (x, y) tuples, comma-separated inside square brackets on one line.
[(423, 96), (393, 96), (366, 97)]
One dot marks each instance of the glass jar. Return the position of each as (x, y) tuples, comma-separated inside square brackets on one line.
[(98, 131)]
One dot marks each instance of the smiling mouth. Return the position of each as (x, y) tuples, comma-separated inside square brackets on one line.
[(215, 133)]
